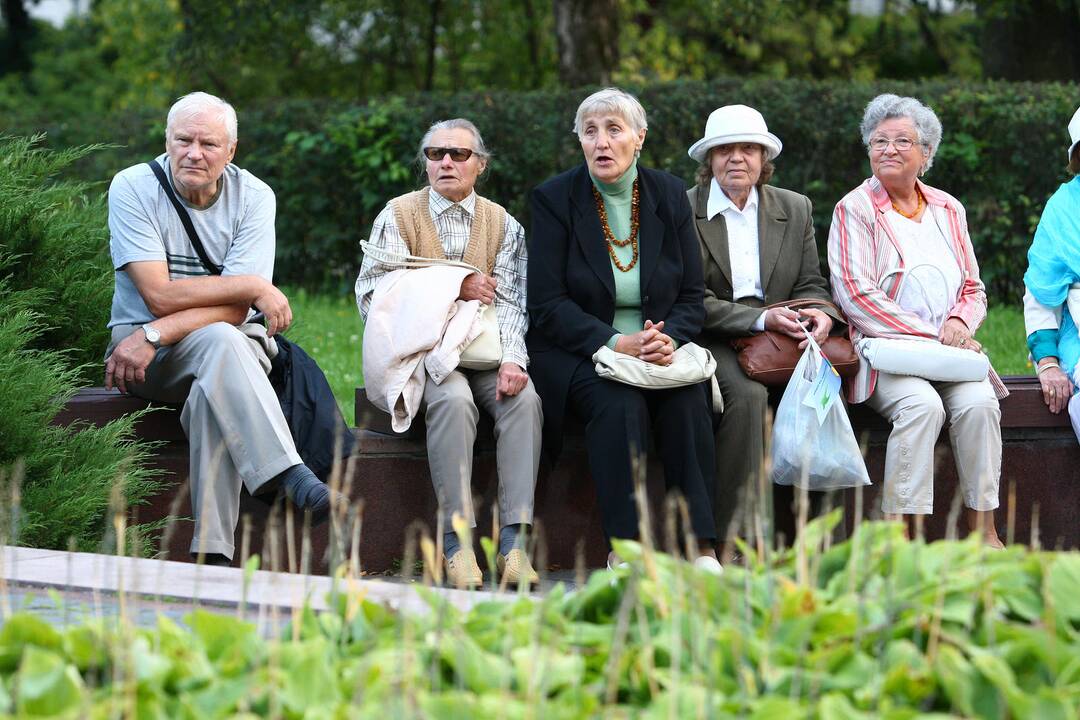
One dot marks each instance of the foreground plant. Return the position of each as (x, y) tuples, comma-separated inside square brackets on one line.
[(876, 627)]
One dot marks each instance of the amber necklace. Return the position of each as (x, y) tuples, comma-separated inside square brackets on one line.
[(609, 236), (919, 205)]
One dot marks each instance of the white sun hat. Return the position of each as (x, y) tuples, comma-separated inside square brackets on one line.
[(1074, 131), (738, 123)]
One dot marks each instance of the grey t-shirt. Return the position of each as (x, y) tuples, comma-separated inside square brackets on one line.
[(237, 230)]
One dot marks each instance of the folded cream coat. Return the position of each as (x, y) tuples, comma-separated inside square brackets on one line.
[(416, 324)]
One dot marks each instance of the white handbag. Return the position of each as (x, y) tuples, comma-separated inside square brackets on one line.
[(691, 364), (928, 358), (924, 358), (484, 352)]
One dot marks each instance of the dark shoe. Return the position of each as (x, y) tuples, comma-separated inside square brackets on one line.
[(216, 559)]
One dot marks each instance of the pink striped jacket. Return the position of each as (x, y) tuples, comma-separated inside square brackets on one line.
[(866, 264)]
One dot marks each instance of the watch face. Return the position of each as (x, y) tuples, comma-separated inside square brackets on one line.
[(152, 335)]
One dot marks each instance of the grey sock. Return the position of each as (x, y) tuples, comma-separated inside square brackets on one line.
[(307, 491), (451, 544), (511, 536)]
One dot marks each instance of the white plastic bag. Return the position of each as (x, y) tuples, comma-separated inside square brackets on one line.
[(812, 447)]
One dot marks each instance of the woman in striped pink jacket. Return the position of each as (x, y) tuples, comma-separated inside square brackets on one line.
[(902, 266)]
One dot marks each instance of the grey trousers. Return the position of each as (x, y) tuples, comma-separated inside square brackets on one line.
[(451, 414), (236, 431), (740, 440)]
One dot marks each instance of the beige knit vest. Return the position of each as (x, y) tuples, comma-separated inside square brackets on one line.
[(418, 230)]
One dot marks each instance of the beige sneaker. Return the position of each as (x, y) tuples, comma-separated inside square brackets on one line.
[(515, 568), (462, 571)]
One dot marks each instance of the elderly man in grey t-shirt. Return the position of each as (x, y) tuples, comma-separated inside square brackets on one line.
[(181, 334)]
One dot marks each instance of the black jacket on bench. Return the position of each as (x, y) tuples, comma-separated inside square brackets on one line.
[(310, 408)]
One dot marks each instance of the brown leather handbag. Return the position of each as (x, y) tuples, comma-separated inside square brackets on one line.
[(770, 357)]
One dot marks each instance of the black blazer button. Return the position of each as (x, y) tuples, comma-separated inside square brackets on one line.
[(645, 299)]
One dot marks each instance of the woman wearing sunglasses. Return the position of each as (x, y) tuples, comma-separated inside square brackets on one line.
[(613, 260), (447, 220)]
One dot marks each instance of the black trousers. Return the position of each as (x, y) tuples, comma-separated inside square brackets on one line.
[(617, 421)]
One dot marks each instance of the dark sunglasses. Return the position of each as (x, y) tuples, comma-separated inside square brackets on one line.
[(436, 154)]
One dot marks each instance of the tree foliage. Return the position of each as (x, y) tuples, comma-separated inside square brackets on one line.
[(134, 53), (55, 285)]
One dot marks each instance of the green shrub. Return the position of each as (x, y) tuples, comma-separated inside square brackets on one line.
[(333, 165), (55, 286)]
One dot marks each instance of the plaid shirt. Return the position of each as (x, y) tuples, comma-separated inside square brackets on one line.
[(453, 222)]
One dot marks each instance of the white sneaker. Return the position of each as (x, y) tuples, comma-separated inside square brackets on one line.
[(709, 564)]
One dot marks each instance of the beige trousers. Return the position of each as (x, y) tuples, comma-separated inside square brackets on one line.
[(918, 409), (451, 415), (236, 431)]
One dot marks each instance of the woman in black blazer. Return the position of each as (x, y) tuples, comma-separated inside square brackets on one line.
[(613, 260)]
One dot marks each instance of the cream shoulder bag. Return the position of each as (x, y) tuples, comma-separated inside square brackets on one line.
[(483, 353)]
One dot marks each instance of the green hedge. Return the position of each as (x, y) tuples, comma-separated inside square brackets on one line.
[(334, 165)]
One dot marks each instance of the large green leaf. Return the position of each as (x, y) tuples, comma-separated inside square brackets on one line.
[(1063, 585), (47, 685)]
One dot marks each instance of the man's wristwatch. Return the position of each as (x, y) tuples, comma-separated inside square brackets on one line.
[(152, 335)]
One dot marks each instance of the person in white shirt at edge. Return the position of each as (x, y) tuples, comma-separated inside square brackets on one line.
[(1051, 307), (454, 155), (181, 335)]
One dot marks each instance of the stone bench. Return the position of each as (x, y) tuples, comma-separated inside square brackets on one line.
[(1041, 470), (98, 406)]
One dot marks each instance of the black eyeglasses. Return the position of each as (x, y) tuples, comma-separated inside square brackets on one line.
[(436, 154)]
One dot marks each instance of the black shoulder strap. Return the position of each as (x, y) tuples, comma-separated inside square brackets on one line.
[(185, 218)]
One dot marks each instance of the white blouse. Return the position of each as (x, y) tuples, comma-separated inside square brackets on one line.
[(932, 277)]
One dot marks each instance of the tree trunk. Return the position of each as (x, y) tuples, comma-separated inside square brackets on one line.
[(587, 32), (432, 45), (533, 40), (1036, 40), (15, 48)]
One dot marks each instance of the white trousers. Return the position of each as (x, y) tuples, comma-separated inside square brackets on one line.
[(918, 409)]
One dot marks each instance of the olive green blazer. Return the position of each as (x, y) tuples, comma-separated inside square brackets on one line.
[(790, 269)]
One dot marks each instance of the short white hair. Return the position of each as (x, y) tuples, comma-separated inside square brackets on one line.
[(200, 102), (888, 106), (453, 124), (614, 101)]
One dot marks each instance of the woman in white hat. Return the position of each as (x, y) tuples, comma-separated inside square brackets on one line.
[(1051, 296), (758, 248)]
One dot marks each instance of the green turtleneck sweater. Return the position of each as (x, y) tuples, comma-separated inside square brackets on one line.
[(617, 198)]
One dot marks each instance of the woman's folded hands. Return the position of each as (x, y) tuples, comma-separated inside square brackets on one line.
[(649, 344)]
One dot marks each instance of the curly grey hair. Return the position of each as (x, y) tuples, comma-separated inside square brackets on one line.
[(454, 124), (198, 102), (615, 101), (888, 106)]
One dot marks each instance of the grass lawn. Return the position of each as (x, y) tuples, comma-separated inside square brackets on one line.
[(329, 328)]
